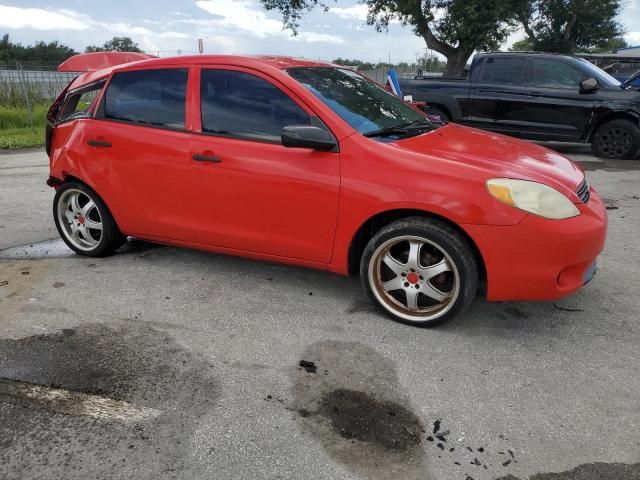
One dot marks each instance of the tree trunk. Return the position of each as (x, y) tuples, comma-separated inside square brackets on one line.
[(456, 63)]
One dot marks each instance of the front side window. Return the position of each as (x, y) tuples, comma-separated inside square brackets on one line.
[(81, 103), (148, 97), (603, 77), (242, 105), (503, 70), (553, 73), (363, 104)]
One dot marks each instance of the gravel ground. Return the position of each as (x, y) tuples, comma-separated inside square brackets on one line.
[(160, 362)]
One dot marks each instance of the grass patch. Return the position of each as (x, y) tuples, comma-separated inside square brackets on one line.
[(15, 138), (15, 128)]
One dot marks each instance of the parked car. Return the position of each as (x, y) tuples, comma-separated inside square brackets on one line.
[(539, 97), (625, 71), (312, 164)]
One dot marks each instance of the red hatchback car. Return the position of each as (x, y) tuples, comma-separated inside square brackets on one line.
[(311, 164)]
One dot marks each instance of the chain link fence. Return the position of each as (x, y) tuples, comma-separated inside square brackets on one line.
[(22, 86)]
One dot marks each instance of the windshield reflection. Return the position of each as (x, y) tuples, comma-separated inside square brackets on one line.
[(360, 102)]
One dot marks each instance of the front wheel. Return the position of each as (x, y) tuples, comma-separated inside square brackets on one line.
[(616, 139), (419, 271), (84, 222)]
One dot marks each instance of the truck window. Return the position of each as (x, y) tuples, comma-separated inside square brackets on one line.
[(503, 70), (148, 97), (555, 74)]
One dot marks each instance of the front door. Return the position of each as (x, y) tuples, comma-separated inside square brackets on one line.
[(257, 195), (555, 108)]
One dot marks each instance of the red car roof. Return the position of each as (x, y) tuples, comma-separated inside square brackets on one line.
[(89, 62)]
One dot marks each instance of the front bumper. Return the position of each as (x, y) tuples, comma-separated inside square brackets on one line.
[(540, 259)]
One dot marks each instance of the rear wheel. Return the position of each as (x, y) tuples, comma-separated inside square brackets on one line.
[(84, 221), (616, 139), (419, 271)]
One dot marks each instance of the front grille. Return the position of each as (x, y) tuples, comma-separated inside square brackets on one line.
[(583, 191)]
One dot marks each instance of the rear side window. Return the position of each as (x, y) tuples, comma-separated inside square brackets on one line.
[(243, 105), (148, 97), (503, 70), (80, 103)]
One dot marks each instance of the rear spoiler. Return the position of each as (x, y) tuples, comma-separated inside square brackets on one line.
[(90, 62)]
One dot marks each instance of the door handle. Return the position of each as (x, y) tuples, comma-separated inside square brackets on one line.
[(206, 158), (535, 93), (99, 143)]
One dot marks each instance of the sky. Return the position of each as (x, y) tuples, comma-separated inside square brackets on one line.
[(169, 27)]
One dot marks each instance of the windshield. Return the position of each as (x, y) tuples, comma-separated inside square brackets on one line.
[(603, 77), (361, 103)]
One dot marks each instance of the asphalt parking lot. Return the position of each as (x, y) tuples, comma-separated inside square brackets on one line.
[(161, 362)]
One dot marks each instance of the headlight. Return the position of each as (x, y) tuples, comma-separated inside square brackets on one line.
[(532, 197)]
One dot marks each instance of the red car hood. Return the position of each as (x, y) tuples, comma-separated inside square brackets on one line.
[(498, 155)]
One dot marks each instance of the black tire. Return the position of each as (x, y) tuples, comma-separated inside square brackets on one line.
[(109, 239), (619, 139), (436, 235), (444, 116)]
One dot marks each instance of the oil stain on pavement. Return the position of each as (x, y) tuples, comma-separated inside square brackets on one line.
[(351, 403), (590, 471), (56, 248), (114, 400)]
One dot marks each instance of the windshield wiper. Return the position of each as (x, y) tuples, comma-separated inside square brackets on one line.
[(396, 129), (402, 129)]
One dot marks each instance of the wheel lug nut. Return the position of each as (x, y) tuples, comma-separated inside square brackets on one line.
[(406, 284)]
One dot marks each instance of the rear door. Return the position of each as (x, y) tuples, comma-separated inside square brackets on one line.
[(555, 109), (139, 142), (257, 195), (499, 93)]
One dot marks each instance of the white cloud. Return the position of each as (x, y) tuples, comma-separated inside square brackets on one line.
[(39, 19), (241, 15), (354, 12), (313, 37), (63, 19), (632, 38), (248, 18)]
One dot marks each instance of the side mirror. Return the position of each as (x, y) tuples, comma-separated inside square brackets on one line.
[(589, 85), (307, 136)]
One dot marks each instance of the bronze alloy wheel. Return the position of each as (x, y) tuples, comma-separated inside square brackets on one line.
[(414, 278)]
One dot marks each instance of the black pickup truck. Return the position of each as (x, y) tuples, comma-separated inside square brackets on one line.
[(539, 97)]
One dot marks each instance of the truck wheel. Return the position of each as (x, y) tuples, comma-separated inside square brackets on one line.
[(436, 111), (616, 139), (84, 222), (419, 271)]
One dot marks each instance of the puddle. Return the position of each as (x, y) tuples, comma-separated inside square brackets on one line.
[(590, 471), (89, 399), (56, 248), (355, 414), (351, 403)]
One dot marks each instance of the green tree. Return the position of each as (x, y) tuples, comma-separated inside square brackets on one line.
[(116, 44), (454, 28), (38, 52), (566, 26), (610, 46), (523, 45)]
